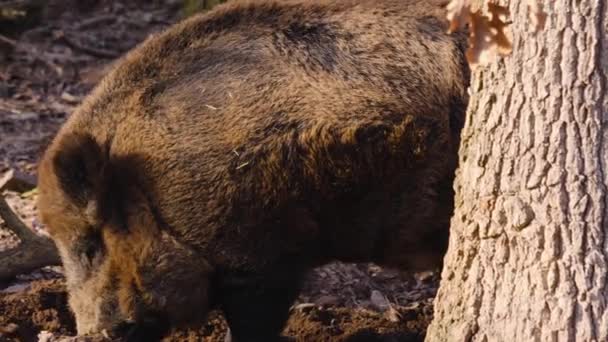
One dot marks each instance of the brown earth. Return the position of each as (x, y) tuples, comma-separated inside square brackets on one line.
[(45, 70), (41, 306)]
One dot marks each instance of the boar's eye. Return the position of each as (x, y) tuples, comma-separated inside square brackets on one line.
[(90, 248)]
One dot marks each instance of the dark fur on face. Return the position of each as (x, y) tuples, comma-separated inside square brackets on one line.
[(224, 158)]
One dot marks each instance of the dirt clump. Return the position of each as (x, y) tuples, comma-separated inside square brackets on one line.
[(42, 306)]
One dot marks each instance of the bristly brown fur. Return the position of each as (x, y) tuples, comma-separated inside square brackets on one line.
[(222, 159)]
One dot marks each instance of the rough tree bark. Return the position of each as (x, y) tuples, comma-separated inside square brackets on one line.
[(528, 254)]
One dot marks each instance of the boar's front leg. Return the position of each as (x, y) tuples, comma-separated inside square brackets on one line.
[(257, 306)]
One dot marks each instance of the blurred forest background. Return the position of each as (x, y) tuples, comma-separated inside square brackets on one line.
[(16, 15), (52, 52)]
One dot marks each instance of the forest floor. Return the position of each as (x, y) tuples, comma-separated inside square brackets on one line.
[(45, 71)]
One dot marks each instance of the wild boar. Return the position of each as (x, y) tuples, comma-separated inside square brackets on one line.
[(225, 157)]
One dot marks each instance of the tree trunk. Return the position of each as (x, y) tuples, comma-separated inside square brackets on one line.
[(528, 254)]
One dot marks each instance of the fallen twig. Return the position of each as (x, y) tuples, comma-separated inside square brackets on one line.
[(76, 45), (14, 180), (33, 252), (8, 40), (95, 21)]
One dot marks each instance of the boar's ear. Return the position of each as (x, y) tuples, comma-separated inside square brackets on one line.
[(78, 164)]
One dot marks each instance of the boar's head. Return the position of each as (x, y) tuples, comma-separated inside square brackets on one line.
[(121, 267)]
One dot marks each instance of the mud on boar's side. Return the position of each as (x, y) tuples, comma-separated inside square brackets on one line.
[(224, 158)]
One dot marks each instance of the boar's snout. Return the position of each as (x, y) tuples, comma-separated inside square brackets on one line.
[(138, 293)]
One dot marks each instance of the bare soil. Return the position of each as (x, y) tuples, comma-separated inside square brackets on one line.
[(42, 306), (45, 71)]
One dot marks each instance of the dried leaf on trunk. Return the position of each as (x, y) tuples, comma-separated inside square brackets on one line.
[(487, 34), (458, 14)]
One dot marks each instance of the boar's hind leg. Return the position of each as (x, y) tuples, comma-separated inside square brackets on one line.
[(257, 308)]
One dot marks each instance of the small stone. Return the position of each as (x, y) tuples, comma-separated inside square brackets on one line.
[(425, 277), (379, 301), (328, 300), (147, 17), (46, 336), (365, 304)]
